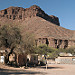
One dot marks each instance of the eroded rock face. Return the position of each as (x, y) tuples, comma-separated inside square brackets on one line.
[(55, 20), (12, 13), (21, 13)]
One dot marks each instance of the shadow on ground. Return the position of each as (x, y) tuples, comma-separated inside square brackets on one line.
[(44, 67), (18, 72), (25, 72)]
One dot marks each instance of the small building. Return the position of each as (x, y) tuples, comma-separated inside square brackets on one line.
[(32, 58), (65, 58)]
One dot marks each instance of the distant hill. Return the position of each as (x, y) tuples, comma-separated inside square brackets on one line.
[(36, 21)]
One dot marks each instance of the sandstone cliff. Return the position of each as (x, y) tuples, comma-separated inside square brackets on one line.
[(21, 14)]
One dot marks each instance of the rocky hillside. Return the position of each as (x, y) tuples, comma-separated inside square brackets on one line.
[(43, 28), (36, 21)]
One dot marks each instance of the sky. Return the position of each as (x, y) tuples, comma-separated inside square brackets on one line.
[(63, 9)]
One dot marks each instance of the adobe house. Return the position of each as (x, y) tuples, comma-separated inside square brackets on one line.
[(17, 59)]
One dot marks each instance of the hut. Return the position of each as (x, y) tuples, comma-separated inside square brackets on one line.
[(32, 59)]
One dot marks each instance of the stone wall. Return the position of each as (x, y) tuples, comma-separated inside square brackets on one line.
[(65, 60)]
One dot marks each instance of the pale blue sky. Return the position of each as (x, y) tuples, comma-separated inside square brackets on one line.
[(64, 9)]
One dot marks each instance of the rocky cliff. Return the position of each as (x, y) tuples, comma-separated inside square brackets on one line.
[(21, 14)]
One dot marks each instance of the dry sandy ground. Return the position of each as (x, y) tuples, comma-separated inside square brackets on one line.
[(53, 69)]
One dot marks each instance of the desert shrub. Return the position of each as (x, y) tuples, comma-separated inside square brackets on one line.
[(43, 49), (46, 50)]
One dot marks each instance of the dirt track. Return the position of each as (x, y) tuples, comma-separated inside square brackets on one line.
[(53, 69)]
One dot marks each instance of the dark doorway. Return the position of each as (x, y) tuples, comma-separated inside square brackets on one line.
[(47, 42), (65, 44)]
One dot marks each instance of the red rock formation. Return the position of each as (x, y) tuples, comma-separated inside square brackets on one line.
[(21, 13), (12, 13)]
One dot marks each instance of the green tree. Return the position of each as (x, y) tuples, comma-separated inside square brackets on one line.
[(10, 37), (44, 49), (28, 43), (70, 50)]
